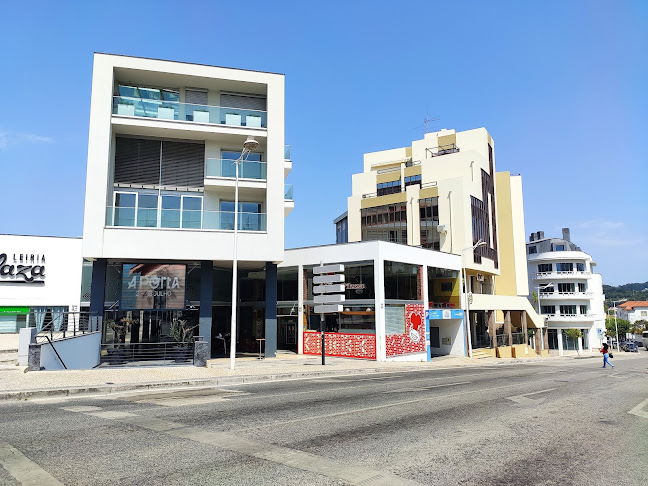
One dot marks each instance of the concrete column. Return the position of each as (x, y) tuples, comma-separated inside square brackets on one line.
[(271, 311), (379, 292), (545, 337), (580, 344), (98, 286), (507, 326), (300, 307), (523, 318), (560, 343), (492, 332), (538, 340), (206, 291)]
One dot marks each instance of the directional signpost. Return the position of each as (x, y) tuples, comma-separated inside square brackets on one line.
[(328, 281)]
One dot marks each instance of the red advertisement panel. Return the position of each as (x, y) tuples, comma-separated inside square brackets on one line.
[(342, 344), (413, 341)]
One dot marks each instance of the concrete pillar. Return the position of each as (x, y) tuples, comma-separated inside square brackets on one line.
[(545, 337), (300, 309), (271, 311), (538, 340), (507, 327), (201, 353), (206, 291), (379, 293), (580, 345), (560, 343), (98, 286), (492, 332)]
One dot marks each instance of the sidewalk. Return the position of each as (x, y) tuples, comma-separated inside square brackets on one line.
[(18, 384)]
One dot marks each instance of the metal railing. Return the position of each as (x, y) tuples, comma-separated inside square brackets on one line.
[(173, 110), (68, 324), (227, 168), (518, 338), (115, 354), (502, 340), (450, 148), (183, 219)]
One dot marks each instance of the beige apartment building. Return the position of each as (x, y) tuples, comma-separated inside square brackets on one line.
[(443, 193)]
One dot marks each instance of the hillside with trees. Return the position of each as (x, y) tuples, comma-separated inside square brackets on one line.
[(631, 291)]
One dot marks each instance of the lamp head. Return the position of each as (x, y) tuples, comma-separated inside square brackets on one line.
[(250, 144)]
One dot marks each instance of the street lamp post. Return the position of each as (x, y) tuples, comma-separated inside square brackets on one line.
[(616, 328), (248, 146), (467, 320), (542, 287)]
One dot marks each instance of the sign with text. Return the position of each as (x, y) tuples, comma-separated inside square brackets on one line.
[(153, 286), (22, 268)]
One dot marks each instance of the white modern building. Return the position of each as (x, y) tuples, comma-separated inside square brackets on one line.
[(633, 311), (40, 280), (163, 146), (568, 292)]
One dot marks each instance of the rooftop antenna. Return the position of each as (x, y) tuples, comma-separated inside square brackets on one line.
[(428, 122)]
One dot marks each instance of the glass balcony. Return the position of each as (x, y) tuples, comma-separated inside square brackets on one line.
[(287, 152), (227, 168), (129, 217), (172, 110), (288, 192)]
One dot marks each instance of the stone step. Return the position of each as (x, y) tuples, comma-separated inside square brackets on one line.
[(478, 354)]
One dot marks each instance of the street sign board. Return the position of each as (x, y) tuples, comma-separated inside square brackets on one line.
[(329, 279), (328, 269), (326, 309), (328, 289), (329, 298)]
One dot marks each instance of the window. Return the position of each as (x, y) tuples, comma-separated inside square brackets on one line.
[(429, 213), (391, 187), (580, 267), (565, 287), (547, 290), (548, 309), (582, 287), (532, 250), (565, 267), (401, 281), (384, 223), (250, 217), (146, 210), (644, 313), (443, 288), (567, 310), (560, 247), (545, 267), (411, 180), (583, 309)]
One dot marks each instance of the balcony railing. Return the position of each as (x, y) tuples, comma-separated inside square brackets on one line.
[(172, 110), (183, 219), (288, 192), (227, 168), (287, 152), (560, 274), (450, 148)]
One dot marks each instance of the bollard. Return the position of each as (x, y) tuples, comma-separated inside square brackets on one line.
[(34, 357), (201, 352)]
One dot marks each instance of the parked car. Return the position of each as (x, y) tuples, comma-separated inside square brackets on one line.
[(630, 346)]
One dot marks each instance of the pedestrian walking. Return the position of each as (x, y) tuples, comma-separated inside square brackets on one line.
[(606, 355)]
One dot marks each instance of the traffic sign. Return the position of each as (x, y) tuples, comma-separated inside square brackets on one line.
[(329, 298), (328, 269), (327, 309), (329, 279), (328, 289)]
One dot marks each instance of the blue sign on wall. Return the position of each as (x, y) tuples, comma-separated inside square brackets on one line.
[(444, 314)]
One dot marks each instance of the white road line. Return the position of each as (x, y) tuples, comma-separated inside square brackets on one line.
[(639, 410), (525, 400), (423, 388), (24, 470)]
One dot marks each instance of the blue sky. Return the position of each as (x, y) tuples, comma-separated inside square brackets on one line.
[(560, 85)]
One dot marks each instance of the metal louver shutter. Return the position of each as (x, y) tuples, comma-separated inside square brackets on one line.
[(183, 164), (195, 96), (241, 101), (137, 161)]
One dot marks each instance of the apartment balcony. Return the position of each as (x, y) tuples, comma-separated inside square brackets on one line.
[(289, 203), (189, 113), (569, 317), (560, 275), (566, 295), (183, 220), (226, 168), (287, 161), (441, 150)]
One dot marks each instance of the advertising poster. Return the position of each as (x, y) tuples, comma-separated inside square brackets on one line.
[(153, 286)]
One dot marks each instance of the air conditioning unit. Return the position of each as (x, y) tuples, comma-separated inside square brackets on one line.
[(442, 228), (480, 277)]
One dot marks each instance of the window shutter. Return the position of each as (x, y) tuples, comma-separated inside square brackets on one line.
[(228, 100), (195, 96), (137, 161), (183, 164)]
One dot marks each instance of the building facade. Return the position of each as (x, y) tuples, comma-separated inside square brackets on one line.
[(634, 310), (159, 217), (442, 193), (568, 292)]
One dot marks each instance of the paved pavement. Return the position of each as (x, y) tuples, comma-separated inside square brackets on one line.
[(544, 422)]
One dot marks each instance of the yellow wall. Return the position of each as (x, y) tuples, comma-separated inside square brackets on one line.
[(382, 200), (505, 283)]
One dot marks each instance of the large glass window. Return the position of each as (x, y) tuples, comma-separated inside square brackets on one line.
[(544, 267), (429, 212), (287, 284), (358, 319), (565, 287), (443, 288), (565, 267), (402, 281), (141, 210), (250, 216), (580, 267), (412, 180), (125, 204), (390, 187), (385, 223), (567, 310), (147, 210), (548, 309)]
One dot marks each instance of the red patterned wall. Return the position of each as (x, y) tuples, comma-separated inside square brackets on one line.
[(413, 341), (342, 344)]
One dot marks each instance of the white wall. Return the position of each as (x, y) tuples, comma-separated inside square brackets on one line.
[(78, 353)]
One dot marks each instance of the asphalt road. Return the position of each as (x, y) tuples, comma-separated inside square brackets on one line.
[(550, 422)]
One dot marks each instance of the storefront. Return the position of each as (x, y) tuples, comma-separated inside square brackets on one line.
[(40, 280), (388, 289)]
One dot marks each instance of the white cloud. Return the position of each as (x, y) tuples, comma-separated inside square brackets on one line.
[(600, 224), (7, 139)]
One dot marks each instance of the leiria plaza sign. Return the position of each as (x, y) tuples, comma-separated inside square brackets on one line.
[(27, 268)]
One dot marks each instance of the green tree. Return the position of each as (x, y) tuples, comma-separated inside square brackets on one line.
[(639, 326), (573, 334), (623, 326)]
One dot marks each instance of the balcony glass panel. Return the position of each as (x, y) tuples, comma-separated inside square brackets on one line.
[(288, 192), (150, 105), (227, 168), (184, 219), (170, 217)]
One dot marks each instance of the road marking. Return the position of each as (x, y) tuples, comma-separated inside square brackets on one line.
[(423, 388), (524, 400), (111, 415), (639, 411), (24, 470), (81, 408)]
